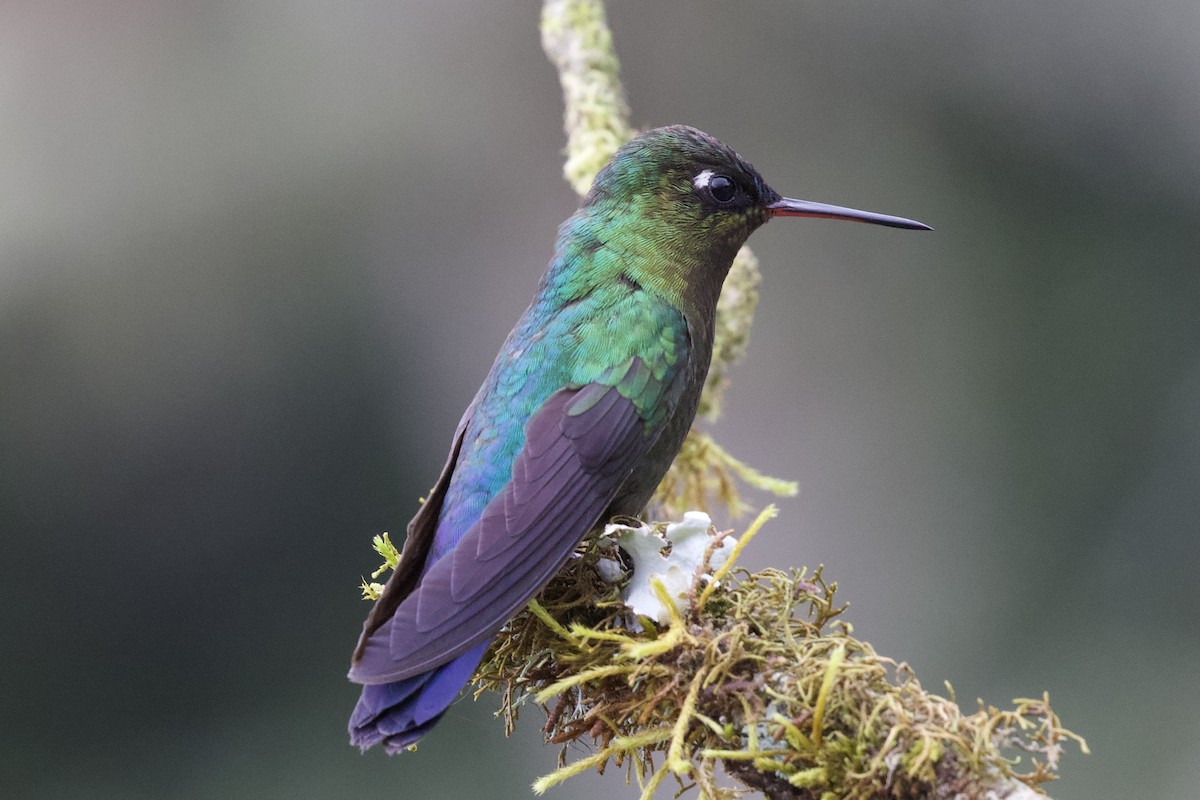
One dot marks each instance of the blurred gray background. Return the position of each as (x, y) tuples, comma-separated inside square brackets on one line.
[(256, 257)]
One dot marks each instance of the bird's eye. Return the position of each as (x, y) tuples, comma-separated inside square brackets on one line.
[(722, 188)]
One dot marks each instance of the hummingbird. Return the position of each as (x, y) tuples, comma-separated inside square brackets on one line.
[(582, 412)]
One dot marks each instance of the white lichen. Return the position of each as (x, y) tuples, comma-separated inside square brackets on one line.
[(674, 556)]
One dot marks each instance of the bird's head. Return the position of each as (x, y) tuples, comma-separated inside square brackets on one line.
[(688, 183), (674, 205)]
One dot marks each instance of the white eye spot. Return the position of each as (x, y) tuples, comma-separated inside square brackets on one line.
[(701, 180)]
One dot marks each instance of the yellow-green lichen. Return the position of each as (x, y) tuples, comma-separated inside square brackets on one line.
[(372, 590), (705, 475)]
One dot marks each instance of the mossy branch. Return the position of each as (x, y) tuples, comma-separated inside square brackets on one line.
[(763, 677)]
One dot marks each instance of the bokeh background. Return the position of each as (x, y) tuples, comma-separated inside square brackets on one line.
[(256, 257)]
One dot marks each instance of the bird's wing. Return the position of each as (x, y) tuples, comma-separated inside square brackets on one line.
[(580, 446), (416, 545)]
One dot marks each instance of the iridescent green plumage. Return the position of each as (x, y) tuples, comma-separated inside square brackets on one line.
[(584, 408)]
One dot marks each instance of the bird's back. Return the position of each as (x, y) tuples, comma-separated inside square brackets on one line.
[(563, 341)]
